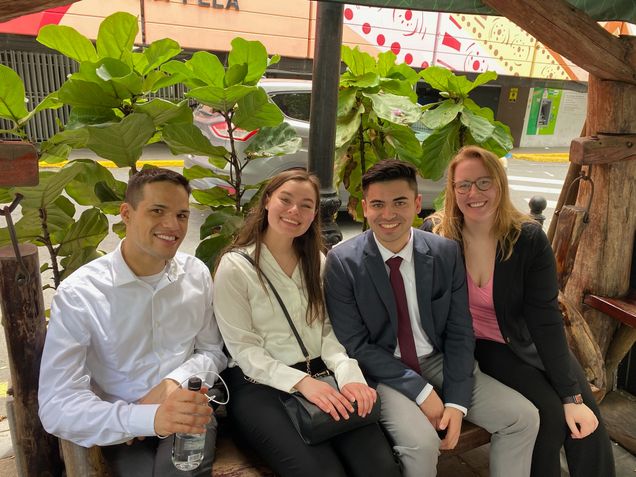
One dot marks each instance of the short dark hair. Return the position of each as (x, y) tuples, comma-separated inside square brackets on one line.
[(134, 192), (390, 170)]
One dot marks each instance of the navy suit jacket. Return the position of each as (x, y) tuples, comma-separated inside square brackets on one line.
[(363, 312)]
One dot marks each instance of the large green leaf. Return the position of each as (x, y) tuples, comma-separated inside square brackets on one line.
[(396, 109), (180, 72), (438, 149), (6, 196), (88, 231), (359, 62), (221, 99), (403, 140), (461, 86), (162, 111), (204, 66), (209, 249), (479, 127), (223, 221), (404, 72), (75, 138), (126, 82), (367, 80), (116, 36), (67, 41), (49, 189), (437, 77), (386, 60), (346, 101), (50, 102), (215, 197), (251, 53), (447, 111), (59, 217), (274, 141), (28, 229), (500, 143), (86, 94), (12, 103), (122, 142), (78, 258), (347, 126), (55, 153), (184, 138), (84, 188), (81, 117), (200, 172), (157, 54), (235, 74), (399, 88), (255, 111)]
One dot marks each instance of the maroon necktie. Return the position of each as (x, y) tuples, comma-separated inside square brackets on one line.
[(405, 332)]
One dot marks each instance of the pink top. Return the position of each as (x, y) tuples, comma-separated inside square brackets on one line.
[(483, 310)]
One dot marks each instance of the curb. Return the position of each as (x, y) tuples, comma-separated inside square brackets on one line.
[(543, 157)]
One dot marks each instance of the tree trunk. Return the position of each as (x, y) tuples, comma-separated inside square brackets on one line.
[(603, 263), (25, 329)]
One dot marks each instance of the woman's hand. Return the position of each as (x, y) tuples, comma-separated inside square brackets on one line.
[(583, 416), (325, 397), (362, 394)]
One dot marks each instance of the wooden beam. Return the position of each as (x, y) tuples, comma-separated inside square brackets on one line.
[(573, 34), (603, 149), (15, 8)]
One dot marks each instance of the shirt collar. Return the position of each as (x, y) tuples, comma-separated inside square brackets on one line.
[(406, 253), (122, 274)]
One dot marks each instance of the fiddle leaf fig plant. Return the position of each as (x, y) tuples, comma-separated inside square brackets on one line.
[(233, 95)]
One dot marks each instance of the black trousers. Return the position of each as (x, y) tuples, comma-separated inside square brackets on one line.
[(257, 414), (152, 457), (588, 457)]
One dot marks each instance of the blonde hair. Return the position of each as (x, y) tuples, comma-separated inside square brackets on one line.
[(508, 220)]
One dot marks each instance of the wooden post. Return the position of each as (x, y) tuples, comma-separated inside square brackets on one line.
[(603, 263), (25, 329)]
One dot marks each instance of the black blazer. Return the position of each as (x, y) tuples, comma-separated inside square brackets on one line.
[(364, 315), (525, 295)]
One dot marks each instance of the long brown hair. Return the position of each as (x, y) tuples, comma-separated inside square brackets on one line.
[(508, 220), (308, 246)]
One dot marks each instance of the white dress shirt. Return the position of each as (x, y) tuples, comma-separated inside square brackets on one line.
[(423, 344), (112, 337), (256, 332)]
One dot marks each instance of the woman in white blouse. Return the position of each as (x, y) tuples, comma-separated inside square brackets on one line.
[(282, 235)]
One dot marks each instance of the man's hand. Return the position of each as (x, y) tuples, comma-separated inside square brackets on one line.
[(325, 397), (362, 394), (433, 409), (160, 392), (583, 416), (183, 411), (452, 422)]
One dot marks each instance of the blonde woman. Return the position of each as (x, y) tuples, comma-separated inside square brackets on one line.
[(512, 288)]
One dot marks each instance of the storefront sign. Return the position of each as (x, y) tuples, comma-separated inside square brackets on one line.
[(218, 4)]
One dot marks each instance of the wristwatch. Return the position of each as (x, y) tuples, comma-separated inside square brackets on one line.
[(576, 399)]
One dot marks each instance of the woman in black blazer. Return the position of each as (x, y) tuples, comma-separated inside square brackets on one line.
[(511, 274)]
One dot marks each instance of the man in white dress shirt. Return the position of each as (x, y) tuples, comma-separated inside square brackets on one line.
[(126, 330)]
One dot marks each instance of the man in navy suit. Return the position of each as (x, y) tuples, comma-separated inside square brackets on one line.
[(397, 299)]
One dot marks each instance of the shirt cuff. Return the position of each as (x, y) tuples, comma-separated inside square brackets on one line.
[(457, 406), (141, 421), (421, 397)]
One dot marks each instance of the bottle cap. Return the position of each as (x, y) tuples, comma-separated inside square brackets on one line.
[(194, 383)]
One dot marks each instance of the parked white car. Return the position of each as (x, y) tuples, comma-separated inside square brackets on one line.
[(293, 97)]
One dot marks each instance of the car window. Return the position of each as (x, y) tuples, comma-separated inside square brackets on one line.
[(294, 105)]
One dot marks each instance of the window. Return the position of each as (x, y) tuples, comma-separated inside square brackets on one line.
[(294, 105)]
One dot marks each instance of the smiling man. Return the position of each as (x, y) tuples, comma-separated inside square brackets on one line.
[(398, 302), (125, 330)]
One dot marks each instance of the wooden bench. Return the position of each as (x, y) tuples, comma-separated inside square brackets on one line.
[(233, 459), (622, 309)]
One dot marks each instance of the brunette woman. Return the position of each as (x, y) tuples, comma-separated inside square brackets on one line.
[(282, 235)]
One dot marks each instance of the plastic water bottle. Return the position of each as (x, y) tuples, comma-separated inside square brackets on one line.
[(187, 449)]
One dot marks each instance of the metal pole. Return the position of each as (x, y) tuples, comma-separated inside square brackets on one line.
[(322, 119)]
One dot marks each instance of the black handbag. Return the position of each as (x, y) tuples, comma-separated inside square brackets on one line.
[(312, 423)]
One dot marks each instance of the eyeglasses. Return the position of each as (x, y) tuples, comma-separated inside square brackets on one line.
[(482, 183)]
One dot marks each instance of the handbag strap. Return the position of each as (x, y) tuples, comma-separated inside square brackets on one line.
[(282, 305)]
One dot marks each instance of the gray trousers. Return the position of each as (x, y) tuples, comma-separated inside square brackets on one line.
[(152, 457), (511, 419)]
